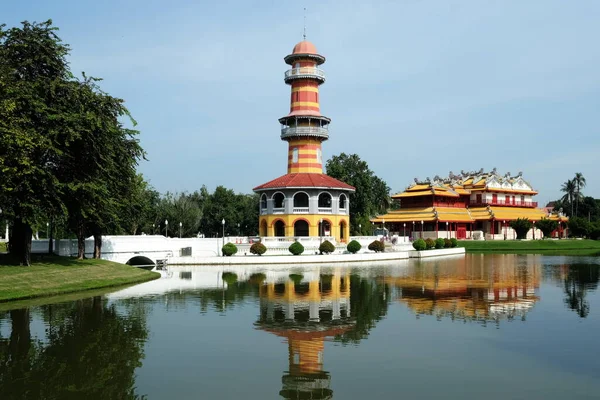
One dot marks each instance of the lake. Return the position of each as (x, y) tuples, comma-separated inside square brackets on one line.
[(489, 326)]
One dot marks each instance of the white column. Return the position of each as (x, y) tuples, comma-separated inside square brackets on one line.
[(313, 311), (6, 235), (336, 309)]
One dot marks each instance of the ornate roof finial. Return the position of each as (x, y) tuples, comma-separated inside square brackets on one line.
[(304, 36)]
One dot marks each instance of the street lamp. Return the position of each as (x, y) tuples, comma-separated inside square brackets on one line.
[(321, 230), (404, 231), (166, 228), (383, 225), (422, 229), (413, 229), (533, 230), (47, 230), (359, 229), (447, 232), (180, 225), (223, 223), (153, 229), (504, 228)]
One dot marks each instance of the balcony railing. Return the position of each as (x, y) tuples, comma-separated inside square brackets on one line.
[(291, 131), (516, 203), (279, 210), (305, 72), (300, 210), (325, 210)]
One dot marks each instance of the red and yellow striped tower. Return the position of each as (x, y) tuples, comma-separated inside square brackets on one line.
[(305, 201)]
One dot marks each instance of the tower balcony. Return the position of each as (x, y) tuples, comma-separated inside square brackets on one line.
[(304, 73), (313, 131)]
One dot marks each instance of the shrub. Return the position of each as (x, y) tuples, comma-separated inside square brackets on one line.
[(454, 242), (439, 243), (521, 227), (229, 277), (257, 278), (326, 247), (447, 243), (419, 245), (430, 243), (547, 226), (258, 248), (296, 278), (376, 246), (296, 248), (229, 249), (353, 247)]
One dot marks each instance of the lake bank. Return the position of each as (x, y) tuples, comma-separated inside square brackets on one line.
[(53, 275), (566, 247)]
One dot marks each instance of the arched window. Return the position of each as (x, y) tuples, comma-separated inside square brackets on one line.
[(319, 156), (278, 199), (279, 228), (342, 201), (343, 231), (263, 202), (325, 200), (295, 155), (300, 199), (301, 228)]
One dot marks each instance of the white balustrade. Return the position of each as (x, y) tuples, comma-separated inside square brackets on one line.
[(305, 71), (300, 210)]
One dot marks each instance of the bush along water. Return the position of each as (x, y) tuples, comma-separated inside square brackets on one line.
[(296, 248), (419, 245), (258, 248), (376, 246), (353, 247), (326, 247), (229, 249), (447, 243), (439, 243), (430, 243), (453, 242)]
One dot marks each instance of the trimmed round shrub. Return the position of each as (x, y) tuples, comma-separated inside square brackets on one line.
[(296, 278), (229, 249), (447, 243), (257, 278), (258, 248), (296, 248), (430, 243), (454, 242), (229, 277), (419, 245), (376, 246), (326, 247), (439, 243), (353, 247)]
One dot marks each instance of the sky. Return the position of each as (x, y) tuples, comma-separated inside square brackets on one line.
[(416, 88)]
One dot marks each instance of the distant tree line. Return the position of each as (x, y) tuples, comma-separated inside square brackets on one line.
[(583, 211)]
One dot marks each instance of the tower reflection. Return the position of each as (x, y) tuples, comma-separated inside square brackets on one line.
[(306, 312)]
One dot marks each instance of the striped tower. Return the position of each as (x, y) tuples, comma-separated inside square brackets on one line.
[(305, 201), (304, 128)]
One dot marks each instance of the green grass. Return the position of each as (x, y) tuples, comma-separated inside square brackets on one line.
[(568, 247), (3, 247), (53, 275)]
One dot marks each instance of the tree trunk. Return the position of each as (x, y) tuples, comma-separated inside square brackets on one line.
[(19, 360), (80, 241), (97, 243), (20, 243), (51, 238)]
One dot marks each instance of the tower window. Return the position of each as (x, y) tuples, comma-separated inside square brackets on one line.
[(295, 155), (319, 156)]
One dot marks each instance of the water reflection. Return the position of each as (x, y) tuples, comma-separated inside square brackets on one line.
[(505, 288), (577, 281), (88, 350)]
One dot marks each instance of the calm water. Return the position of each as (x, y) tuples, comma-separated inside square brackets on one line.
[(496, 327)]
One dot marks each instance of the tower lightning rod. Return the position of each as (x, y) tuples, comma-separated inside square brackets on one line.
[(304, 24)]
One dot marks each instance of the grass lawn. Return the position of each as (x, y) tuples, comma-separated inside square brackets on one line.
[(566, 247), (3, 247), (53, 275)]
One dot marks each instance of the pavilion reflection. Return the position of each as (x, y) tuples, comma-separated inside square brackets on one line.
[(504, 288), (306, 312)]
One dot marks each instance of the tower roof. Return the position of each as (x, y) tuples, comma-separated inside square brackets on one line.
[(305, 180), (304, 47)]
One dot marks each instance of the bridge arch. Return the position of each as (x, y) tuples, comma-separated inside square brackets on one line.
[(140, 261)]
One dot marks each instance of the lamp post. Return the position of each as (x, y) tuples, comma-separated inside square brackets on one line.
[(422, 222), (321, 230), (153, 229), (359, 229), (447, 233), (238, 229), (504, 228), (180, 225), (223, 223), (383, 226), (404, 231), (47, 230), (533, 230), (166, 228), (413, 229), (372, 228)]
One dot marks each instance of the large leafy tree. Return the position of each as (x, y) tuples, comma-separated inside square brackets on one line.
[(372, 194), (34, 126)]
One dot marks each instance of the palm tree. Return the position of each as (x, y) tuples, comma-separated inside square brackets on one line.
[(579, 181), (569, 188)]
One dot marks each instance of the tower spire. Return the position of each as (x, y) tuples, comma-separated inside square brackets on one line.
[(304, 36)]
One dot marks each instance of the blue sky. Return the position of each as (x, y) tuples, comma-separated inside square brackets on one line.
[(417, 88)]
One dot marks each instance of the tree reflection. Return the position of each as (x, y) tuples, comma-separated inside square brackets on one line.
[(90, 351), (578, 279)]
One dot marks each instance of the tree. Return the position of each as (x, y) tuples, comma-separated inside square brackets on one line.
[(579, 227), (521, 227), (34, 127), (569, 189), (579, 181), (547, 226), (372, 194)]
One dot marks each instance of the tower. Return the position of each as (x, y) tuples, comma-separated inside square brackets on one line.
[(305, 201)]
